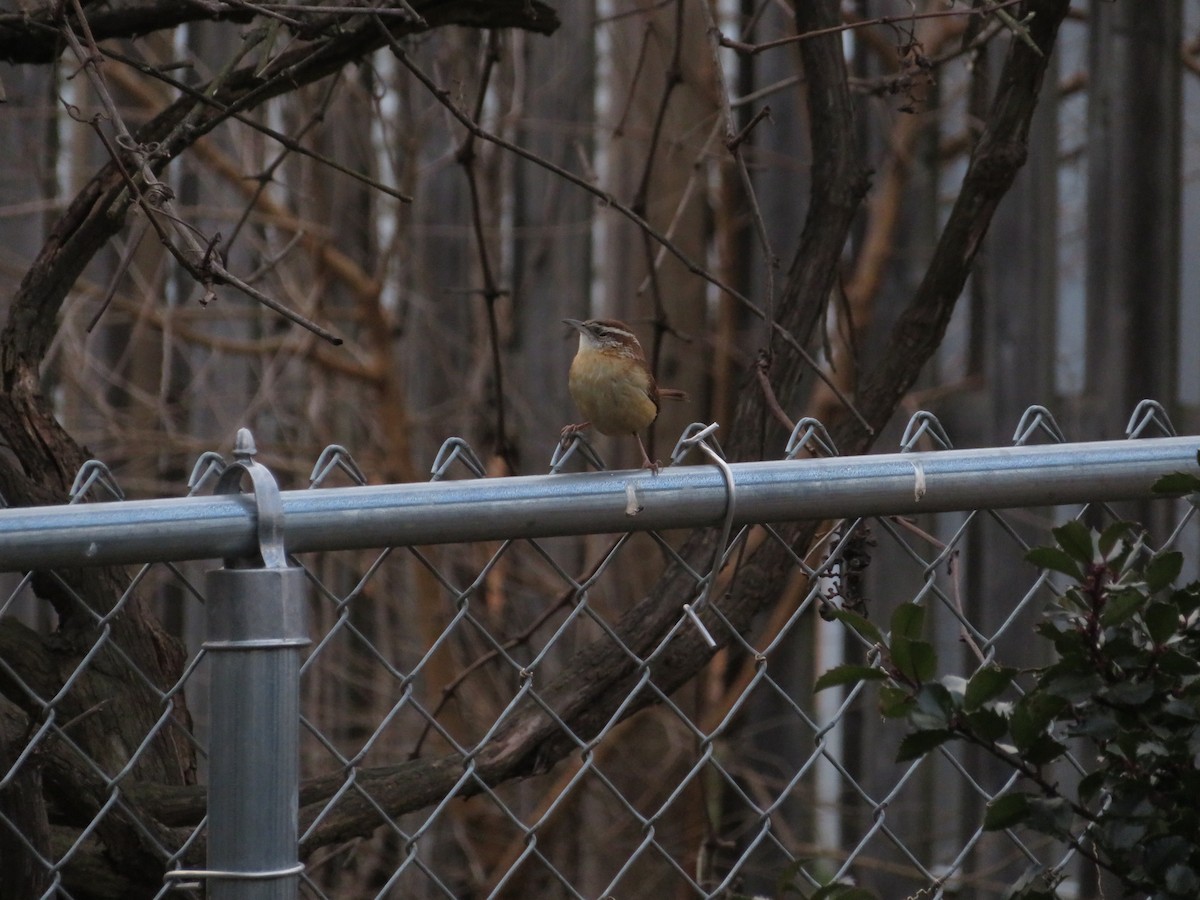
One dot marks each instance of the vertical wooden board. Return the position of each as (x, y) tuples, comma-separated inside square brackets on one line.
[(1134, 140), (553, 222)]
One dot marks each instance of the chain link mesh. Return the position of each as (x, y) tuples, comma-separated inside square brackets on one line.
[(740, 782)]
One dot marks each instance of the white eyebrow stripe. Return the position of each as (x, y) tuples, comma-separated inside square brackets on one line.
[(609, 329)]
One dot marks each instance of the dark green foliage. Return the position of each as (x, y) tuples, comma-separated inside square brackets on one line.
[(1123, 693)]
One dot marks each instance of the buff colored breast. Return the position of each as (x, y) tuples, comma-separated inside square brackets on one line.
[(612, 393)]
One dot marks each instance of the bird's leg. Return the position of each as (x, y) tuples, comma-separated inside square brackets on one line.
[(647, 463), (571, 430)]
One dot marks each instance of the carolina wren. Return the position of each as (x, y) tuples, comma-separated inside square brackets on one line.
[(611, 383)]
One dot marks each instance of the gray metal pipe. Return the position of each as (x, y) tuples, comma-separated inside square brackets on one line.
[(255, 607), (256, 632), (590, 503)]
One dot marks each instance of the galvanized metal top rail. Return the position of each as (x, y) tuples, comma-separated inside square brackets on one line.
[(225, 526)]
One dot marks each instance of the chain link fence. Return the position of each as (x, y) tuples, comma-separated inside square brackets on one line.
[(538, 687)]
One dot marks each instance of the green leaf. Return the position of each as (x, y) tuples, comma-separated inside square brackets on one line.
[(956, 687), (895, 702), (1123, 834), (1163, 569), (860, 624), (1122, 651), (908, 621), (1043, 750), (1073, 601), (1050, 815), (918, 743), (934, 707), (1055, 560), (1182, 880), (1071, 645), (989, 725), (1113, 536), (1162, 621), (915, 660), (1006, 811), (1131, 694), (986, 684), (1151, 748), (1032, 715), (1176, 484), (841, 675), (1062, 681), (1120, 607), (792, 873), (1099, 725), (1035, 884), (1178, 664), (1075, 538), (1187, 598)]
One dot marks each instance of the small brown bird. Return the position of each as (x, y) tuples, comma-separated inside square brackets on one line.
[(611, 383)]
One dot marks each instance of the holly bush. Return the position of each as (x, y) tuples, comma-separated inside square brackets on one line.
[(1123, 693)]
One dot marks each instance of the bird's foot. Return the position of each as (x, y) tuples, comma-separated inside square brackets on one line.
[(570, 431)]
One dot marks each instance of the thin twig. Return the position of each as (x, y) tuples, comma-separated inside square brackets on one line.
[(619, 128), (735, 142), (156, 198), (443, 97), (755, 49), (641, 197), (136, 233), (682, 205), (952, 571), (491, 290), (279, 137), (761, 367), (265, 177)]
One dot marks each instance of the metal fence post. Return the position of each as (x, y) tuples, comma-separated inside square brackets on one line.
[(256, 630)]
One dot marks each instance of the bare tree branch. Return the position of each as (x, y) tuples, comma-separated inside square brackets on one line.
[(99, 210), (33, 37), (532, 739)]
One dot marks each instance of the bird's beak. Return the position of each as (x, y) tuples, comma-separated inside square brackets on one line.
[(576, 324)]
